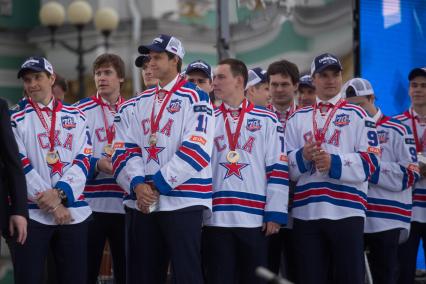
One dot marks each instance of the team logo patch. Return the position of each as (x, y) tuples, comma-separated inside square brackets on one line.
[(174, 106), (383, 136), (280, 129), (374, 150), (341, 120), (87, 151), (410, 141), (198, 139), (253, 125), (118, 145), (68, 122), (283, 158)]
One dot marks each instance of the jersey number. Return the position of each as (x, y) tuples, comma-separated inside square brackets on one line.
[(202, 123), (372, 138)]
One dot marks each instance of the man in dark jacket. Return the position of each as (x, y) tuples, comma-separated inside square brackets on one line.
[(13, 190)]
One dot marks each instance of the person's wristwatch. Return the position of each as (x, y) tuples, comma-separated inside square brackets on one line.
[(62, 196)]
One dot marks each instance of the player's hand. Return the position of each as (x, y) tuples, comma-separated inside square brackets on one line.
[(322, 161), (309, 150), (62, 215), (47, 200), (18, 224), (105, 165), (145, 195), (271, 228)]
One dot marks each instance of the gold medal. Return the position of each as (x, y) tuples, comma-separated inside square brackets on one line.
[(108, 149), (233, 157), (153, 139), (52, 157)]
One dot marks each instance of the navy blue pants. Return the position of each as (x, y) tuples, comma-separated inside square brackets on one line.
[(102, 227), (329, 246), (69, 247), (407, 253), (383, 255), (231, 255), (157, 239), (281, 254)]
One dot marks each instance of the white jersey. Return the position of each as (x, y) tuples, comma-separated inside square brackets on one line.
[(253, 190), (72, 142), (419, 192), (179, 163), (351, 139), (102, 191), (389, 194)]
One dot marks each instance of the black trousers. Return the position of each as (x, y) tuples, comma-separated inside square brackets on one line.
[(69, 246), (281, 254), (320, 243), (407, 253), (231, 255), (383, 255), (157, 239), (102, 227)]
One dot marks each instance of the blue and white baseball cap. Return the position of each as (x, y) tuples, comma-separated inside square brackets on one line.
[(36, 63), (200, 65), (256, 76), (306, 80), (417, 72), (164, 43), (357, 87), (323, 61)]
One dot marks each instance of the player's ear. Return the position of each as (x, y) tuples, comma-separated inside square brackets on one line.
[(52, 79)]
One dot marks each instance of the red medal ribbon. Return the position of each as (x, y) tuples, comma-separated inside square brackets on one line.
[(155, 120), (110, 130), (320, 135), (233, 137), (56, 107), (419, 147)]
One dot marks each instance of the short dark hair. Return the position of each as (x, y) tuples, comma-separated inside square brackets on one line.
[(238, 68), (284, 67), (61, 82), (179, 63), (109, 59)]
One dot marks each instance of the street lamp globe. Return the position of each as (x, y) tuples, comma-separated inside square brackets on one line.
[(79, 13), (52, 14), (106, 19)]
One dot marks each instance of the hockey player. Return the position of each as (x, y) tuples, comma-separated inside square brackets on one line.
[(199, 72), (415, 119), (389, 194), (55, 148), (103, 194), (306, 92), (247, 207), (162, 159), (283, 77), (257, 89), (333, 150)]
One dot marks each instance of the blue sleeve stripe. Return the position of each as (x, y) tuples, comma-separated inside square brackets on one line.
[(300, 162), (274, 216), (190, 161), (336, 167), (161, 184), (198, 149)]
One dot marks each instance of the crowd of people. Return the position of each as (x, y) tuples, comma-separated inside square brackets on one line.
[(206, 175)]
